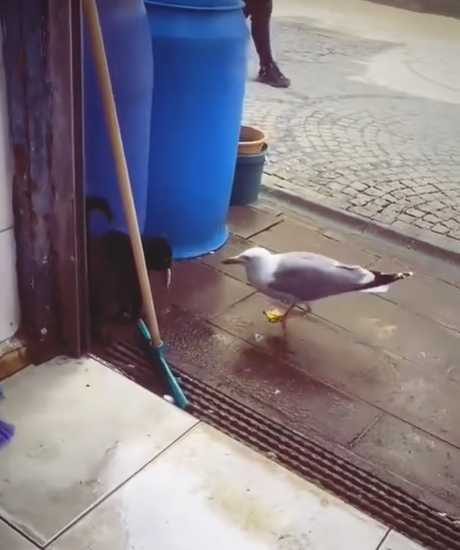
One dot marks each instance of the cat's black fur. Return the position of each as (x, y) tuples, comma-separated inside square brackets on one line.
[(114, 286)]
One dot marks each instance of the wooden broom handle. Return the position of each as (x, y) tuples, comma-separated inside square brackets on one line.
[(124, 182)]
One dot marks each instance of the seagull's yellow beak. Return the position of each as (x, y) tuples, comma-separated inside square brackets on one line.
[(233, 260)]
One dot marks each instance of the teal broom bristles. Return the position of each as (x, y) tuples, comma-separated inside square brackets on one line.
[(159, 357)]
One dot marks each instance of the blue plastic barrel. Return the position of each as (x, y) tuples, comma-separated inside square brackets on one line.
[(200, 53), (128, 45)]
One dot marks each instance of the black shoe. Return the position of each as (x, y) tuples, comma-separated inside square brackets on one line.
[(271, 75)]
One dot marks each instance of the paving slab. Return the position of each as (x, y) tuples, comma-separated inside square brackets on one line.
[(246, 221), (392, 252), (396, 541), (428, 382), (81, 431), (12, 540), (211, 490), (236, 245), (316, 347), (199, 289), (259, 380), (289, 236), (421, 392), (429, 297), (387, 325), (415, 455), (399, 257)]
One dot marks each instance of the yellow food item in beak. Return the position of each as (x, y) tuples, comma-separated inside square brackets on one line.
[(274, 315)]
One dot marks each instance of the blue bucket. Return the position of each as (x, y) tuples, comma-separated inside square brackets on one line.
[(248, 178)]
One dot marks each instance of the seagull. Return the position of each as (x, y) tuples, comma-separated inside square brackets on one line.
[(304, 277)]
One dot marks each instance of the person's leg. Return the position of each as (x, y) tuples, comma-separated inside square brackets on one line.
[(260, 13)]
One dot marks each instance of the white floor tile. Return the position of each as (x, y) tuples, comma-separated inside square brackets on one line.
[(10, 540), (207, 492), (396, 541), (81, 430)]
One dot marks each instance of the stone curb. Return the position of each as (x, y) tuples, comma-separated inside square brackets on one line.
[(409, 239)]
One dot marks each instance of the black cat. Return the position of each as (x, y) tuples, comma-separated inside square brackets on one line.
[(114, 286)]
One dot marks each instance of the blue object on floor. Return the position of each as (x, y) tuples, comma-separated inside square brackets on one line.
[(6, 433), (128, 45), (200, 54), (6, 430)]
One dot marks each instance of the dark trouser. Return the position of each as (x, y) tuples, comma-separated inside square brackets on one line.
[(260, 12)]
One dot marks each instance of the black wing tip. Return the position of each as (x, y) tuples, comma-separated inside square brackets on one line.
[(381, 279)]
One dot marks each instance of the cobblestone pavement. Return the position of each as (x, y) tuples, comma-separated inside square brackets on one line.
[(342, 140)]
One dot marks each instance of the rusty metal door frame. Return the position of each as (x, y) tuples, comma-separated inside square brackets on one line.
[(42, 42)]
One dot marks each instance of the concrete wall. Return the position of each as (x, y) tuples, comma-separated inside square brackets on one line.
[(9, 307)]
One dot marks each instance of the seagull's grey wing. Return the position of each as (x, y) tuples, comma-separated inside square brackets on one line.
[(309, 277)]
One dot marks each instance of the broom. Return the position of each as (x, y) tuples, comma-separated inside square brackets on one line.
[(151, 331)]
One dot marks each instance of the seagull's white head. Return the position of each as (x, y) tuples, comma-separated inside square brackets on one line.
[(249, 257)]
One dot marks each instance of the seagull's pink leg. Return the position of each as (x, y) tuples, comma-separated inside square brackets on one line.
[(286, 313)]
